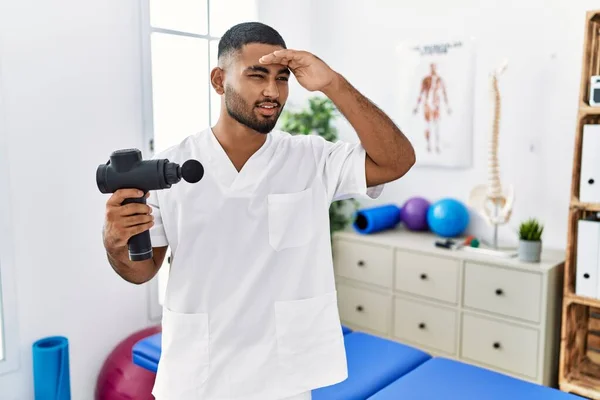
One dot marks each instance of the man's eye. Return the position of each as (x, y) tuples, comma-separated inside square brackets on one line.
[(255, 76), (283, 78)]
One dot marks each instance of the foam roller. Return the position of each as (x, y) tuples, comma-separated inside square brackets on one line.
[(376, 219), (51, 372)]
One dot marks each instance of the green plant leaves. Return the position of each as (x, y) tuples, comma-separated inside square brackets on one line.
[(531, 229)]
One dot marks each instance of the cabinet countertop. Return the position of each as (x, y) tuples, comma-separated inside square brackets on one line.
[(424, 242)]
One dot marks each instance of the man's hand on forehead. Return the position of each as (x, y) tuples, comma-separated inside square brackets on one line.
[(310, 71)]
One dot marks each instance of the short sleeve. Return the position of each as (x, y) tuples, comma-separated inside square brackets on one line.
[(158, 236), (344, 172)]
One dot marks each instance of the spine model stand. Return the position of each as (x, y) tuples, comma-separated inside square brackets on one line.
[(490, 200)]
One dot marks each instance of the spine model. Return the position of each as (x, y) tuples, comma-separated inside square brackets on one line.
[(494, 186)]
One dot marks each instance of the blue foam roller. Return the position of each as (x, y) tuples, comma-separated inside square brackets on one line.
[(375, 219), (51, 375)]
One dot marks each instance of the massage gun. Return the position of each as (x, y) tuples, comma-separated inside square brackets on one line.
[(126, 170)]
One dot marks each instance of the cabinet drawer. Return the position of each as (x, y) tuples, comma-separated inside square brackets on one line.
[(364, 262), (426, 325), (504, 291), (428, 276), (364, 308), (497, 344)]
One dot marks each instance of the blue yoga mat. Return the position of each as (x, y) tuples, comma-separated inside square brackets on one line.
[(375, 219), (51, 376)]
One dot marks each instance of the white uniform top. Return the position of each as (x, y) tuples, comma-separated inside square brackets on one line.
[(250, 309)]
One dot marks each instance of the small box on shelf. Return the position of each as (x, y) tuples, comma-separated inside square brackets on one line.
[(594, 95)]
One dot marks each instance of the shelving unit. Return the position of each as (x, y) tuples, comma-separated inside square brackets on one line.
[(579, 364)]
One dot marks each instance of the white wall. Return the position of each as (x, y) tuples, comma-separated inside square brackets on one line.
[(543, 41), (71, 75), (296, 27)]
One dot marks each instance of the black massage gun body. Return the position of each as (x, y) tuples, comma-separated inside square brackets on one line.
[(126, 170)]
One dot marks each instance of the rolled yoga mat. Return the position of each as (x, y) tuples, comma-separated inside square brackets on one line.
[(51, 375), (375, 219)]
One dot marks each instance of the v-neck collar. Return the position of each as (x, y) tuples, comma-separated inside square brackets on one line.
[(224, 169)]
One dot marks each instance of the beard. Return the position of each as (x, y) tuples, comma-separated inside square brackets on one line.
[(243, 113)]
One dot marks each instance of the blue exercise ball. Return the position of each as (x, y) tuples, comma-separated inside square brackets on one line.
[(448, 217)]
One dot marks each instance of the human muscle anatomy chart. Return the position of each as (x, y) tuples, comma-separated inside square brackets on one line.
[(433, 100)]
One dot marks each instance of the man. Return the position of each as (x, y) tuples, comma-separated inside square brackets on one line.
[(250, 310), (431, 86)]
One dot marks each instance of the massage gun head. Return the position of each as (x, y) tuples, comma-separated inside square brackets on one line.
[(126, 169)]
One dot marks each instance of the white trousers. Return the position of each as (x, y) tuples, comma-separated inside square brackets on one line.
[(303, 396)]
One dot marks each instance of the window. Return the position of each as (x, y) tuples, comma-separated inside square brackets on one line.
[(180, 41), (9, 346)]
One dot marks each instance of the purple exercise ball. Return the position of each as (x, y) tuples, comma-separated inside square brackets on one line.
[(414, 213)]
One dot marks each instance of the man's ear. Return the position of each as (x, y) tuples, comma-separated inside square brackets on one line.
[(216, 80)]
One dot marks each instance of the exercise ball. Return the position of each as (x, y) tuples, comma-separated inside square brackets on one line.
[(120, 378), (414, 213), (448, 217)]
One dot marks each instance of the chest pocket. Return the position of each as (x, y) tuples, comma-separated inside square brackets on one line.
[(291, 219)]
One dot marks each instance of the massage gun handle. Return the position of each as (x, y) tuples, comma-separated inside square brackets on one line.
[(140, 245)]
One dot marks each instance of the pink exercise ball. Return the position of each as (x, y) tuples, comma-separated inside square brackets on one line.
[(120, 378)]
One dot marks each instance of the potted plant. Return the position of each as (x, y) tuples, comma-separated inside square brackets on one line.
[(317, 120), (530, 240)]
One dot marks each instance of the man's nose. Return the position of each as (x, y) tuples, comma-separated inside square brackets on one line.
[(271, 90)]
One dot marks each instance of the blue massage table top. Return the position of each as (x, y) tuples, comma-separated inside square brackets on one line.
[(373, 363), (442, 378), (146, 352)]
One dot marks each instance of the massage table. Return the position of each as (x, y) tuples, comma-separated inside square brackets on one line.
[(382, 369)]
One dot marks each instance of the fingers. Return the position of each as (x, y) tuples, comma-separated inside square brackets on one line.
[(135, 220), (133, 208), (119, 236), (120, 195), (124, 221), (283, 57), (139, 229)]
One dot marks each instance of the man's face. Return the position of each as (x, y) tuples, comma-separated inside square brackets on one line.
[(255, 94)]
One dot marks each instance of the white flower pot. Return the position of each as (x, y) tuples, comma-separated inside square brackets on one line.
[(530, 250)]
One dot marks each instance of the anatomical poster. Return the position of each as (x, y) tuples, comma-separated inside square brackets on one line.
[(435, 100)]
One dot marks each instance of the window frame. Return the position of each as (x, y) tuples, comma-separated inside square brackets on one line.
[(146, 30), (9, 328), (147, 93)]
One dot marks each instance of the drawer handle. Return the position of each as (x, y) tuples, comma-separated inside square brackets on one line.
[(499, 292), (497, 345), (359, 308), (423, 276), (422, 325), (361, 263)]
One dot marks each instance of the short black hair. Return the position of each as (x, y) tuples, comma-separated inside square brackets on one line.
[(245, 33)]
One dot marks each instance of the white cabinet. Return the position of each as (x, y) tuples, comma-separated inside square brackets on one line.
[(497, 313)]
